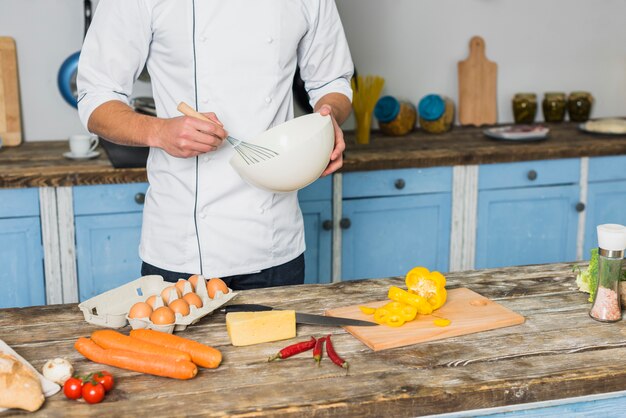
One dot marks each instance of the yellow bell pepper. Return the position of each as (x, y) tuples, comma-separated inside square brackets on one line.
[(395, 314), (427, 284), (367, 310), (420, 303)]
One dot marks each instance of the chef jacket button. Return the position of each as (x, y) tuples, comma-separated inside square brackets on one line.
[(268, 99), (205, 101), (261, 210), (203, 39), (203, 215), (270, 40), (206, 158)]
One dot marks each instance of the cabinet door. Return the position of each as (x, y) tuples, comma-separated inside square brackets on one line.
[(526, 226), (318, 236), (606, 205), (107, 250), (388, 236), (21, 258)]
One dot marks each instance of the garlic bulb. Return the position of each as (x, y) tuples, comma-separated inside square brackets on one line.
[(58, 370)]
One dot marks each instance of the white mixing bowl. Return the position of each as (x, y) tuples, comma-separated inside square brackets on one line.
[(303, 144)]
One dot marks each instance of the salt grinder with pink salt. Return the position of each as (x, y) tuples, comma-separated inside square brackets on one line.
[(612, 243)]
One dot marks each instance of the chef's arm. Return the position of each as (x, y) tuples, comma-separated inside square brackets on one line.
[(338, 106), (181, 136)]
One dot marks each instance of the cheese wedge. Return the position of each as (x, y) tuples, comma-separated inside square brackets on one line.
[(247, 328)]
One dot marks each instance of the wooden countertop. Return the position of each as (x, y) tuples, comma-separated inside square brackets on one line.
[(39, 164), (559, 352)]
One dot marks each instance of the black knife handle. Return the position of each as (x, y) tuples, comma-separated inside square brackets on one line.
[(245, 307)]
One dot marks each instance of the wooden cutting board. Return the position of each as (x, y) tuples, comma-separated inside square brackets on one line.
[(468, 311), (10, 119), (477, 86)]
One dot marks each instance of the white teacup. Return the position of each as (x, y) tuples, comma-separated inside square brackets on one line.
[(82, 144)]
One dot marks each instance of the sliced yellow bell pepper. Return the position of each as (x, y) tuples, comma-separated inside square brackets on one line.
[(367, 310), (420, 303), (442, 322), (429, 285)]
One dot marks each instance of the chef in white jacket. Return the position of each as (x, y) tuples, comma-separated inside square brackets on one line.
[(234, 61)]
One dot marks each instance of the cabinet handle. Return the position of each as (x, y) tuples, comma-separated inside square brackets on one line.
[(140, 198), (327, 225), (345, 223), (532, 175), (580, 206), (400, 183)]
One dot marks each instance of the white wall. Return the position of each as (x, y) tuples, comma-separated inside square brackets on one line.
[(539, 45)]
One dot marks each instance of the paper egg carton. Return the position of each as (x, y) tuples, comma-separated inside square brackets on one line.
[(110, 309)]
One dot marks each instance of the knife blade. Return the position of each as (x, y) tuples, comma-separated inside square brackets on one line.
[(301, 318)]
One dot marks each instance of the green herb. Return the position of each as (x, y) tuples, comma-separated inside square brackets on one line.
[(587, 279)]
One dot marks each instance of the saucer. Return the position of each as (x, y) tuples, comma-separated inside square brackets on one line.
[(88, 156)]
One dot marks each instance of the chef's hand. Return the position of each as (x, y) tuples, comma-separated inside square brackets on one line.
[(186, 136), (336, 157)]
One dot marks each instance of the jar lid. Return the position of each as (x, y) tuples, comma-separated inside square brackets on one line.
[(612, 237), (387, 109), (431, 107)]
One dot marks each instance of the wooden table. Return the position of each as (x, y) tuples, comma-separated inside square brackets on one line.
[(560, 352), (41, 164)]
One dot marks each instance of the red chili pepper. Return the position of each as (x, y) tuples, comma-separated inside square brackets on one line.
[(332, 354), (294, 349), (317, 350)]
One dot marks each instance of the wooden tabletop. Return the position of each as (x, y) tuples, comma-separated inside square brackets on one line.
[(559, 352), (40, 164)]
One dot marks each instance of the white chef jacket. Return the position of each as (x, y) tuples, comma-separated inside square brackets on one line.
[(235, 58)]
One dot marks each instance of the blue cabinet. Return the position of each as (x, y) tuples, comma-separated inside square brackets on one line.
[(527, 213), (21, 250), (108, 231), (394, 220), (606, 197), (316, 205)]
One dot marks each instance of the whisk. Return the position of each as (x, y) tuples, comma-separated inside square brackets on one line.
[(250, 153)]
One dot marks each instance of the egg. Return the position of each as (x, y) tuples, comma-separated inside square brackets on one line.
[(214, 285), (152, 300), (163, 316), (193, 299), (180, 285), (194, 281), (165, 294), (140, 310), (180, 306)]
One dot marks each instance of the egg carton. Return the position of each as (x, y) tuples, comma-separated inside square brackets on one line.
[(110, 309)]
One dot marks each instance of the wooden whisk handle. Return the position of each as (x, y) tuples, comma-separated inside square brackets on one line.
[(187, 110)]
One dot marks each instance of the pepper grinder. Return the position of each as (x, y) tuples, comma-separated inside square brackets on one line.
[(606, 302)]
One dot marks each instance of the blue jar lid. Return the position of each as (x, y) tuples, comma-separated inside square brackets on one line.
[(386, 109), (431, 107)]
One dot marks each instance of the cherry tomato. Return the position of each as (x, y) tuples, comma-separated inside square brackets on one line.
[(93, 392), (105, 379), (73, 388)]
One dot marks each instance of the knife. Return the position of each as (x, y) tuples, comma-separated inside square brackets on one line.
[(301, 318)]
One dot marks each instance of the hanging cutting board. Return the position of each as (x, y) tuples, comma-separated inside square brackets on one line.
[(10, 120), (468, 312), (477, 86)]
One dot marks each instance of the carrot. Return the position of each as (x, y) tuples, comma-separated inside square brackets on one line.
[(145, 363), (201, 354), (107, 338)]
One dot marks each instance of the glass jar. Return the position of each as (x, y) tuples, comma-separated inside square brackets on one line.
[(553, 107), (436, 113), (524, 107), (579, 105), (606, 302), (395, 117)]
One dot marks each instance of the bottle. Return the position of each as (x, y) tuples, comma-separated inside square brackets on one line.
[(579, 105), (436, 113), (395, 117), (612, 243), (553, 106), (525, 107)]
